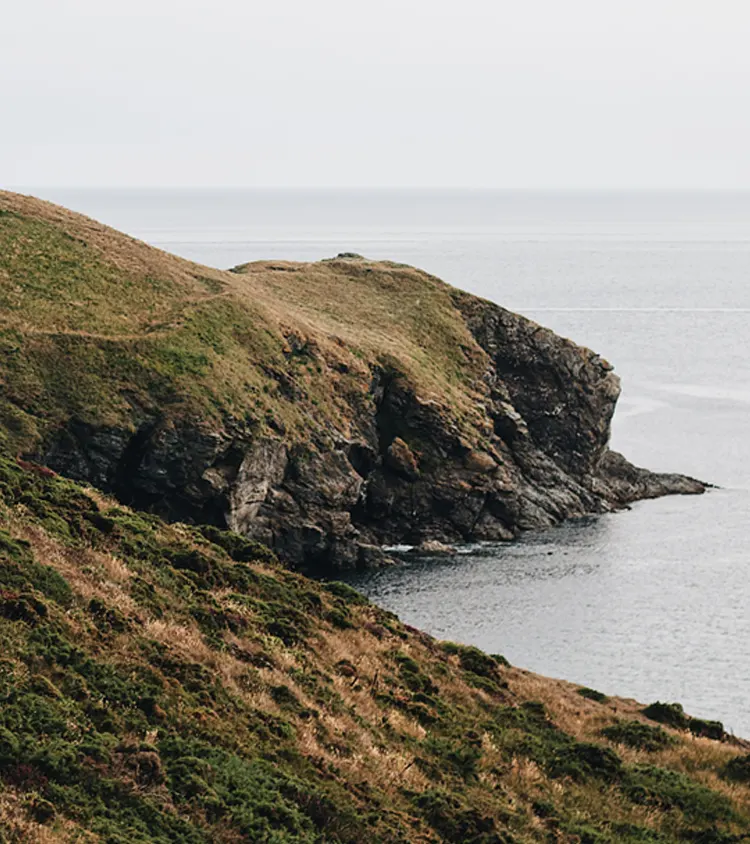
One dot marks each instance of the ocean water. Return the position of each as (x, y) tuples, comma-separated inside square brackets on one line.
[(653, 602)]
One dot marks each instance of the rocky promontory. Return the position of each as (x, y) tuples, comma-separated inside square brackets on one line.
[(325, 409)]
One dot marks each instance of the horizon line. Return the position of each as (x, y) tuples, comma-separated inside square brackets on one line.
[(384, 188)]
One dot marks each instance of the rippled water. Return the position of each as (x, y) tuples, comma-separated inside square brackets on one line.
[(638, 604), (653, 602)]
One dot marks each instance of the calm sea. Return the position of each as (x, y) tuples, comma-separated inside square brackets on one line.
[(652, 603)]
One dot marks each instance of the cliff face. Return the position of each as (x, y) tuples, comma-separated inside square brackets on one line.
[(325, 409)]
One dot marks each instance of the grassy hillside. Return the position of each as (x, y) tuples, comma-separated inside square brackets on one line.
[(94, 323), (174, 684)]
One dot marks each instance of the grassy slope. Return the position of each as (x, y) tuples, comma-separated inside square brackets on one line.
[(94, 323), (159, 683)]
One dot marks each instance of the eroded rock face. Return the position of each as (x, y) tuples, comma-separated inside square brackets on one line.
[(262, 469), (402, 472)]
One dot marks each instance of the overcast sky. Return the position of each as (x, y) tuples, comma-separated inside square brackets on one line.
[(475, 93)]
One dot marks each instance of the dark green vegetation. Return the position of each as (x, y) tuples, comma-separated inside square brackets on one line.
[(738, 769), (638, 735), (174, 684), (673, 715), (593, 694)]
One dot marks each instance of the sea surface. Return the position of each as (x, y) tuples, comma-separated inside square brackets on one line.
[(654, 602)]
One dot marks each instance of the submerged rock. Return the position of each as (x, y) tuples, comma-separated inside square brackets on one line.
[(433, 547)]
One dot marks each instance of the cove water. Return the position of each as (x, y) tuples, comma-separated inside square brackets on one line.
[(654, 602)]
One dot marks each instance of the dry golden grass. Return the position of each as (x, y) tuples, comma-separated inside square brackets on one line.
[(20, 828), (90, 573)]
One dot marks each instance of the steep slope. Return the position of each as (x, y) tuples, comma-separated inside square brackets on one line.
[(324, 408), (166, 683)]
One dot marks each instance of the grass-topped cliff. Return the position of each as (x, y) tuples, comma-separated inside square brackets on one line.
[(325, 408), (166, 683)]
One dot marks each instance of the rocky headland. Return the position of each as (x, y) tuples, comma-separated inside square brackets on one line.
[(325, 409)]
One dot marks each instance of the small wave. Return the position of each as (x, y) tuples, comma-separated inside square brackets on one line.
[(655, 310)]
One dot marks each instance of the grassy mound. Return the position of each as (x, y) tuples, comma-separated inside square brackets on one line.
[(95, 323), (174, 684)]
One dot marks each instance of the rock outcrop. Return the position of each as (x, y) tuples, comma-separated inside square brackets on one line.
[(324, 409)]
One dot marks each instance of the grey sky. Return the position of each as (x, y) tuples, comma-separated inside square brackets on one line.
[(528, 93)]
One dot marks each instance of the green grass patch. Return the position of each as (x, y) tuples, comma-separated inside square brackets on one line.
[(664, 789)]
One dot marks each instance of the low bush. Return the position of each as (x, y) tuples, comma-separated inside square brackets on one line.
[(581, 761), (640, 736), (737, 769), (473, 660), (454, 821), (671, 714), (665, 789), (592, 694), (456, 756), (345, 592), (707, 729)]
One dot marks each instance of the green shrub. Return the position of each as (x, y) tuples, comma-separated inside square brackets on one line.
[(345, 592), (592, 694), (737, 769), (285, 698), (486, 684), (581, 761), (707, 729), (10, 748), (544, 809), (473, 660), (412, 675), (41, 810), (639, 736), (239, 548), (664, 789), (457, 756), (340, 618), (453, 820), (671, 714)]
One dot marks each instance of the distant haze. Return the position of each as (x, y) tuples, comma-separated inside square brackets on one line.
[(478, 93)]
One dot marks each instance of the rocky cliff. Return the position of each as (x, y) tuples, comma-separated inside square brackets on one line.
[(325, 409)]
